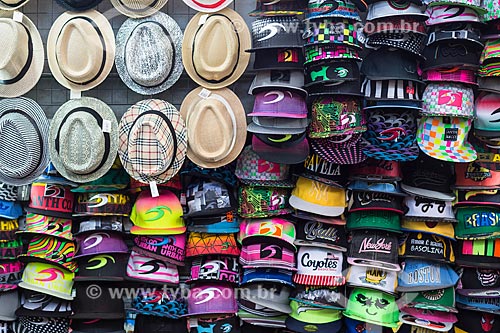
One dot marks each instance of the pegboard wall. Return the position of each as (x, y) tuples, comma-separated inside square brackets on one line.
[(51, 95)]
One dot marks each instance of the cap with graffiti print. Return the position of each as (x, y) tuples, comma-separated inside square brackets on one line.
[(48, 279), (215, 269), (161, 215), (99, 243), (212, 298), (48, 249)]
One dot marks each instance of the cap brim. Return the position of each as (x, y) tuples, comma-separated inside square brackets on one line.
[(254, 128), (301, 242), (46, 291), (374, 264), (287, 155), (301, 327), (135, 230), (100, 315), (301, 204), (427, 193)]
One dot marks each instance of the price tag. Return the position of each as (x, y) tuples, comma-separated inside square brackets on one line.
[(203, 19), (106, 126), (17, 16), (154, 189), (204, 93), (75, 94)]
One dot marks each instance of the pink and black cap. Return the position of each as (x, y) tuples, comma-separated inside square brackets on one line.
[(215, 269), (374, 248), (267, 255), (170, 248), (376, 170), (279, 58), (97, 326)]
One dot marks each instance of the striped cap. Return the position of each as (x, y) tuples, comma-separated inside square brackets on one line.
[(51, 250), (405, 90), (23, 139), (317, 266)]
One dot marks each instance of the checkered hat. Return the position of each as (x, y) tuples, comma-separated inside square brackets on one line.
[(448, 99), (444, 138), (338, 32), (318, 52), (340, 149), (152, 141)]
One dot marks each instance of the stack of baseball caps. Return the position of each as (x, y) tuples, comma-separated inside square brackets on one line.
[(211, 247), (279, 116), (332, 49), (50, 262)]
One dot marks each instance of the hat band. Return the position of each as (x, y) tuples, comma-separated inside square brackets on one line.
[(172, 45), (170, 127), (194, 50), (138, 10), (13, 5), (99, 121), (26, 66), (38, 134), (103, 43)]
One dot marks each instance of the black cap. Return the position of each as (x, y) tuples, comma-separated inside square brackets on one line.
[(96, 302), (482, 253), (390, 64), (314, 233), (279, 58), (319, 169), (330, 71), (102, 267), (374, 248), (153, 324), (37, 304), (97, 326), (351, 88), (450, 54), (477, 322), (427, 246)]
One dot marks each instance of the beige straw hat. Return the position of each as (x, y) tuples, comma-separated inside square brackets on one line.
[(216, 126), (22, 56), (213, 51), (81, 49), (138, 8)]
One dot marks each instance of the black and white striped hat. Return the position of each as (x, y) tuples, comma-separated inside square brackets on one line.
[(404, 90), (24, 130)]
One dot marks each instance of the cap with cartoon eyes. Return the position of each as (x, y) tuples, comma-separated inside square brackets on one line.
[(372, 306)]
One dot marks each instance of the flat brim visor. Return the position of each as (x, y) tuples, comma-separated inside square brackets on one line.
[(305, 327), (374, 264), (480, 292), (319, 244), (304, 205), (427, 193), (135, 230)]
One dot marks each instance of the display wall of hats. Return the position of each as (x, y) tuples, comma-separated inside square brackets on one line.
[(358, 192)]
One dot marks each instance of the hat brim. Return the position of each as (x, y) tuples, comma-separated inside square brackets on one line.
[(101, 23), (138, 12), (135, 230), (170, 26), (209, 8), (34, 71), (286, 155), (373, 264), (243, 58), (302, 327), (302, 204), (54, 293), (229, 99), (301, 242), (106, 113), (427, 193), (255, 128)]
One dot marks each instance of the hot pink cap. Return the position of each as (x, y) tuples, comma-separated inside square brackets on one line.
[(267, 255), (454, 75)]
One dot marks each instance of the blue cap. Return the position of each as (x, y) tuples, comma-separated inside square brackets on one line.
[(267, 275), (483, 304), (51, 176), (388, 187), (227, 224), (10, 209), (421, 275)]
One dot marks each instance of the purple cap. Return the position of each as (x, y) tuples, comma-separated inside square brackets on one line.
[(212, 298), (279, 103), (340, 149), (100, 242), (286, 149)]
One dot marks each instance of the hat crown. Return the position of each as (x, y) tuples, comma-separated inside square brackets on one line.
[(14, 55), (81, 150), (78, 51), (149, 44), (219, 44), (15, 129)]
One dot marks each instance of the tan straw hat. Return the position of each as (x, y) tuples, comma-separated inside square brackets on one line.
[(22, 56), (213, 51), (138, 8), (216, 126), (81, 49)]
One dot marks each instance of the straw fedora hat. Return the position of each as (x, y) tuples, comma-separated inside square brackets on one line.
[(78, 5), (81, 49), (208, 6), (10, 5), (216, 126), (148, 53), (83, 139), (138, 8), (24, 130), (213, 51), (22, 56), (152, 141)]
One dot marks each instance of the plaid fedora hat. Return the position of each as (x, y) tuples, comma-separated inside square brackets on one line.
[(223, 36), (24, 130), (216, 126), (81, 61), (83, 139), (138, 8), (148, 53), (152, 154), (22, 58)]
